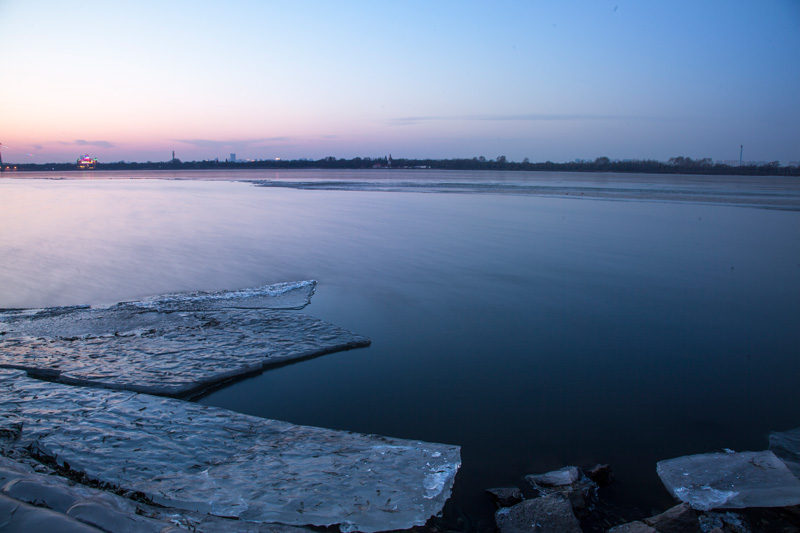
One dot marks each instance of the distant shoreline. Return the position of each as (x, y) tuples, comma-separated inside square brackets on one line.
[(677, 165)]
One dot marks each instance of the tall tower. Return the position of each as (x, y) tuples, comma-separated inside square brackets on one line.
[(1, 159), (741, 151)]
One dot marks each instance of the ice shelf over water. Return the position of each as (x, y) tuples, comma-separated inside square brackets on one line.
[(175, 344), (209, 460), (182, 455), (730, 480)]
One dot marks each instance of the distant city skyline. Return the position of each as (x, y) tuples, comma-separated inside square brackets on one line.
[(555, 81)]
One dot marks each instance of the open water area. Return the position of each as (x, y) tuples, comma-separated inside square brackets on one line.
[(537, 320)]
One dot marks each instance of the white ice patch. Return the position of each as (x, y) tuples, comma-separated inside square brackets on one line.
[(287, 295), (434, 483), (704, 498)]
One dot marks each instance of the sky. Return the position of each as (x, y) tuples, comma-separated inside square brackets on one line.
[(548, 80)]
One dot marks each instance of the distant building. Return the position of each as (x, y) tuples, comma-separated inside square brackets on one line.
[(87, 163), (233, 158)]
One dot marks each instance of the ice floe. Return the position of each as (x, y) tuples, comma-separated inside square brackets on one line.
[(209, 460), (730, 480), (204, 461), (175, 344)]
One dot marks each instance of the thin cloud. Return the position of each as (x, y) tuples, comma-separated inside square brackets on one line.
[(82, 142), (214, 144), (523, 117), (411, 121)]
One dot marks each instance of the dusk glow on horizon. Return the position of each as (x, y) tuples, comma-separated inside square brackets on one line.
[(546, 80)]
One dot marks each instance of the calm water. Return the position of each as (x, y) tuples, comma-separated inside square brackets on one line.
[(533, 330)]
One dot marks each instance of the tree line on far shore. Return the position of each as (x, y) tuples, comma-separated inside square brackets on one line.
[(675, 165)]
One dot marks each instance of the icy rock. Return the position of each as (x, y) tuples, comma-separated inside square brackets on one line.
[(11, 470), (10, 431), (548, 514), (209, 460), (633, 527), (505, 496), (143, 348), (96, 506), (57, 497), (786, 446), (105, 516), (601, 474), (19, 517), (557, 478), (730, 480), (679, 519), (729, 522), (568, 482)]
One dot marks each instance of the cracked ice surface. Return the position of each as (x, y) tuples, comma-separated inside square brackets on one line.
[(171, 345), (730, 480), (211, 460)]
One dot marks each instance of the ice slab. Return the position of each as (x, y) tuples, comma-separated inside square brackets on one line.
[(210, 460), (730, 480), (174, 345), (786, 445)]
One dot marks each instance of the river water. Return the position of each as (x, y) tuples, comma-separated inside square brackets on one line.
[(650, 317)]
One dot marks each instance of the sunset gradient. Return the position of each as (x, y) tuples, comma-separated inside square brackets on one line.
[(547, 80)]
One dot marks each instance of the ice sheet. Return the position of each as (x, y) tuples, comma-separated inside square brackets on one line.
[(175, 345), (210, 460)]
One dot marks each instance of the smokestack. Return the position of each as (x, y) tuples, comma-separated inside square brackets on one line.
[(741, 149)]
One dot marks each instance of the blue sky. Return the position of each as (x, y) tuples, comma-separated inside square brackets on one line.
[(552, 81)]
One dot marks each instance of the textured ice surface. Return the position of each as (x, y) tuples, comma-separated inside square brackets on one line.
[(210, 460), (172, 345), (730, 480)]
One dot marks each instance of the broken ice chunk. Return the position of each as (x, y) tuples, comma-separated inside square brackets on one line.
[(730, 480), (205, 459)]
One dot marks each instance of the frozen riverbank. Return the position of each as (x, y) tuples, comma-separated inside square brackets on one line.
[(189, 457)]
